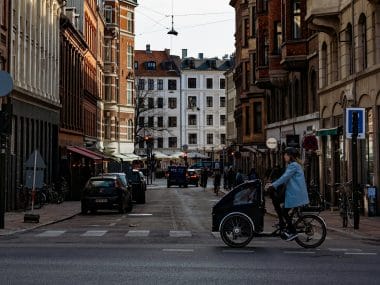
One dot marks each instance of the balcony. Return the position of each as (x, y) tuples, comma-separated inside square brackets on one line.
[(323, 15), (294, 55)]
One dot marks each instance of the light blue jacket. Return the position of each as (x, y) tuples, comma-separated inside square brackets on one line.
[(294, 179)]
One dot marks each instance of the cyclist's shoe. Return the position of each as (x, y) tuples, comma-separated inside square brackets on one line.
[(279, 226), (290, 236)]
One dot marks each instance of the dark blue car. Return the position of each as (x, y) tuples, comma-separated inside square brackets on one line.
[(177, 175)]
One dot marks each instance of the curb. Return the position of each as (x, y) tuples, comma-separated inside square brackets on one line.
[(39, 225)]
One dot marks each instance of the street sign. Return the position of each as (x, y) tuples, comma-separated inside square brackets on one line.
[(293, 141), (6, 83), (361, 122), (271, 143)]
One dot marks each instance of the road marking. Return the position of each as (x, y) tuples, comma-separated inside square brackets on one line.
[(112, 224), (214, 200), (237, 251), (360, 253), (137, 233), (216, 234), (345, 249), (299, 252), (180, 233), (118, 220), (177, 250), (51, 233), (93, 233), (140, 215)]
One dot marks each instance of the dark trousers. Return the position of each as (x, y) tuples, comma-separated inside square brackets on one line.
[(289, 221), (276, 201)]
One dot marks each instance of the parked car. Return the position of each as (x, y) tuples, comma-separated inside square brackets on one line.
[(193, 177), (136, 180), (177, 175), (106, 192), (121, 175)]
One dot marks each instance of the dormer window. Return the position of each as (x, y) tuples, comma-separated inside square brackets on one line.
[(150, 65)]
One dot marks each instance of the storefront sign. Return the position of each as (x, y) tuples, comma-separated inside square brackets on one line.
[(293, 141), (271, 143)]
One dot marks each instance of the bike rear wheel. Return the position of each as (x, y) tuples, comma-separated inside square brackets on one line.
[(236, 230), (311, 231)]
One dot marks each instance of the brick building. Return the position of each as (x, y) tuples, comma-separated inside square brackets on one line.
[(4, 31)]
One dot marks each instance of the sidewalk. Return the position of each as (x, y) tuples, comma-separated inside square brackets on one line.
[(49, 214)]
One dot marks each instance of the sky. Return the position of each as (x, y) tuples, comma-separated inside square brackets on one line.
[(203, 26)]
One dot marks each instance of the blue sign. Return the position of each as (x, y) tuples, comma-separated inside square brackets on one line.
[(361, 122), (6, 83)]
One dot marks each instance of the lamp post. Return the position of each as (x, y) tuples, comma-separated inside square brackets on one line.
[(149, 147)]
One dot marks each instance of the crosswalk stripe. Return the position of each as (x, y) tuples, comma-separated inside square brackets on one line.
[(180, 234), (216, 234), (50, 233), (137, 233), (94, 233)]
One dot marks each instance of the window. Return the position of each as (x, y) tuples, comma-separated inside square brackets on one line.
[(141, 102), (172, 122), (209, 83), (141, 122), (257, 123), (129, 57), (245, 32), (222, 83), (223, 138), (296, 19), (210, 138), (192, 138), (141, 84), (107, 128), (209, 101), (108, 14), (160, 143), (130, 131), (192, 120), (150, 122), (253, 21), (172, 102), (348, 35), (277, 38), (324, 64), (222, 120), (247, 120), (108, 88), (265, 50), (136, 65), (150, 65), (160, 122), (191, 83), (222, 102), (160, 103), (191, 102), (150, 84), (160, 84), (129, 93), (130, 20), (108, 51), (362, 42), (334, 59), (172, 84), (172, 141), (150, 103), (210, 120), (141, 143)]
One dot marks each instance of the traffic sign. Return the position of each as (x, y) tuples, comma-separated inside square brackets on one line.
[(361, 122), (271, 143), (6, 83)]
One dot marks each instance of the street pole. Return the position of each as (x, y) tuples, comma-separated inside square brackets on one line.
[(354, 148), (2, 179)]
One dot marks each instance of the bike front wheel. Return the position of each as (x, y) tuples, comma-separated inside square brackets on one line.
[(311, 231), (236, 230)]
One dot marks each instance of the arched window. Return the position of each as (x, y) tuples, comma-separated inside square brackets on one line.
[(334, 60), (349, 62), (324, 65), (362, 52), (297, 100), (313, 91)]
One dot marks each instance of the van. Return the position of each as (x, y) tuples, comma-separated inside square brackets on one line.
[(177, 175)]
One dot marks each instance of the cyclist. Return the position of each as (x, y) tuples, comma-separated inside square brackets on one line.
[(295, 188)]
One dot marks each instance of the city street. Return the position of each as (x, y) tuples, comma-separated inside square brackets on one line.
[(168, 241)]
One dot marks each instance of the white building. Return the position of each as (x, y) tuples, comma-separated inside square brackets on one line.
[(203, 108)]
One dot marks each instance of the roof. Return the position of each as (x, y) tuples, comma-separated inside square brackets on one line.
[(206, 64), (165, 64)]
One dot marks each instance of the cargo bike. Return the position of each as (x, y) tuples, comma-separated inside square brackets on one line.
[(239, 217)]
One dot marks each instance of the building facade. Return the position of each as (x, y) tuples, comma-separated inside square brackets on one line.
[(34, 66), (348, 75), (203, 104), (157, 101), (118, 115), (4, 32)]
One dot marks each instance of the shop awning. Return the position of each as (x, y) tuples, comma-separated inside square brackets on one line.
[(130, 157), (329, 132), (84, 152)]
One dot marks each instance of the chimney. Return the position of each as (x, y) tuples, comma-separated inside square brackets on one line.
[(184, 53), (167, 51), (200, 55), (148, 48)]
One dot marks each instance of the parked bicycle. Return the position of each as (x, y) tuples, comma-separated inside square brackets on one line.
[(25, 198), (345, 203), (315, 197)]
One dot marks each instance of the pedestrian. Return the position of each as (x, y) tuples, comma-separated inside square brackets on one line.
[(231, 178), (252, 174), (204, 177), (217, 178), (225, 178), (295, 189), (239, 177)]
